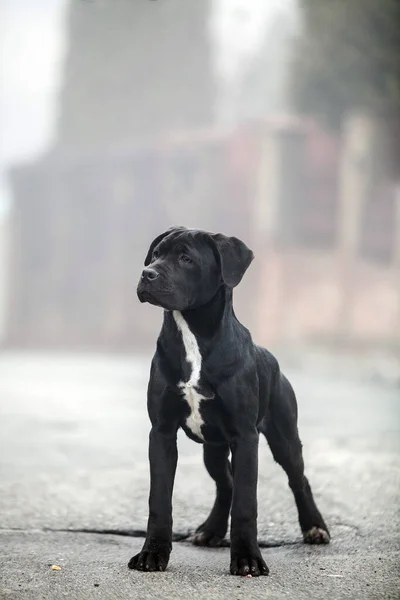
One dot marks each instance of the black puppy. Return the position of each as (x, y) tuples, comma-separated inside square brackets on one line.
[(208, 377)]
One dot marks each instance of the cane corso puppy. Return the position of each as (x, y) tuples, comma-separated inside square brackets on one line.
[(208, 377)]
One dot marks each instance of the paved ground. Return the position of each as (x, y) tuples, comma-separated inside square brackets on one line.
[(73, 456)]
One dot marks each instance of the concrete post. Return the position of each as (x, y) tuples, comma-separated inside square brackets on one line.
[(397, 261), (4, 239), (280, 177), (356, 178)]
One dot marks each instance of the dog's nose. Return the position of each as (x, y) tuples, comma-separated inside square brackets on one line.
[(149, 274)]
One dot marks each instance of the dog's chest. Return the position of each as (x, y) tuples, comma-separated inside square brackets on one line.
[(191, 387)]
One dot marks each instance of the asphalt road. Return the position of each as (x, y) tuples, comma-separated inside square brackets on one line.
[(73, 457)]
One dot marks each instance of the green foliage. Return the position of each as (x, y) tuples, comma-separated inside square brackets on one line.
[(347, 56)]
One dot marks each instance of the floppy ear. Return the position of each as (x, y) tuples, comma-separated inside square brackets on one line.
[(235, 258), (157, 240)]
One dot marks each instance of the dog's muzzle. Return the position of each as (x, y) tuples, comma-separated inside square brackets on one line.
[(145, 289), (149, 275)]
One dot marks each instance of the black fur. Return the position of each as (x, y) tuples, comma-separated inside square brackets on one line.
[(194, 272)]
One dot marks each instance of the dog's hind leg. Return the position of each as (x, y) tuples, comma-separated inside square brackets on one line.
[(213, 530), (280, 429)]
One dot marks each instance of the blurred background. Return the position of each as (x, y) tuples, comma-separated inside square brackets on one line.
[(277, 121)]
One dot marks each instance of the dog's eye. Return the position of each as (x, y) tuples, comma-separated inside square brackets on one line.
[(184, 258), (156, 255)]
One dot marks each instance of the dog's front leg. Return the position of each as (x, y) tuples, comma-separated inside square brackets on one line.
[(245, 554), (163, 457)]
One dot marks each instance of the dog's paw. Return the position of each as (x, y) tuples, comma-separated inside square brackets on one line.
[(149, 561), (253, 565), (207, 538), (316, 535)]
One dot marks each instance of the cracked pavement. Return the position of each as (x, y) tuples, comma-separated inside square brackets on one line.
[(74, 484)]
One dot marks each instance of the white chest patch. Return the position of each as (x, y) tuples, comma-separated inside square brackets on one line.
[(193, 357)]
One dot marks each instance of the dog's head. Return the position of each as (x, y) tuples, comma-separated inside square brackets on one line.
[(184, 268)]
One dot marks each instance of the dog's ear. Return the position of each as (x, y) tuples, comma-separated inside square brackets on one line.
[(158, 239), (235, 258)]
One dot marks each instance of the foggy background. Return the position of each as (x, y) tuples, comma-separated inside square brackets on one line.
[(263, 120), (277, 121)]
